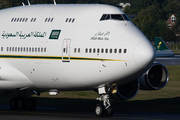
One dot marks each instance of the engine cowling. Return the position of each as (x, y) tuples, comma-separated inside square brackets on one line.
[(155, 78), (126, 91)]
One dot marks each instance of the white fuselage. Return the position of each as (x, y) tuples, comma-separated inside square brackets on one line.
[(68, 47)]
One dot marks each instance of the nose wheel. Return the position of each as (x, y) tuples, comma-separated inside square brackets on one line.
[(100, 110), (105, 107)]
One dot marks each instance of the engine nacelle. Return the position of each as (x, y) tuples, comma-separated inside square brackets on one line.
[(155, 78), (126, 91)]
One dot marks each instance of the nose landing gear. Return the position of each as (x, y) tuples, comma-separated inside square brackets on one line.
[(104, 108)]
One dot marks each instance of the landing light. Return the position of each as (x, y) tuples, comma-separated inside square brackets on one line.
[(53, 92)]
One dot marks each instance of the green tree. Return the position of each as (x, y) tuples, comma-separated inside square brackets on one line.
[(167, 35), (3, 4), (171, 7), (149, 21)]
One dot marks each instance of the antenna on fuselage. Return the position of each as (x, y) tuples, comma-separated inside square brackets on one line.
[(54, 2), (28, 3), (23, 4)]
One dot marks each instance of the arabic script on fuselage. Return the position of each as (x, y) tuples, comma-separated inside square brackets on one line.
[(101, 36), (22, 35)]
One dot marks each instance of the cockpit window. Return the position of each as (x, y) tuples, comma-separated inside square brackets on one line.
[(108, 17), (103, 17), (117, 17), (125, 17), (120, 17)]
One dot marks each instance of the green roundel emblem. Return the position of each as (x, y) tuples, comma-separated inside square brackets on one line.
[(55, 34)]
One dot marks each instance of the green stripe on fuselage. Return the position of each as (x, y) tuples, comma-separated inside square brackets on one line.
[(54, 58)]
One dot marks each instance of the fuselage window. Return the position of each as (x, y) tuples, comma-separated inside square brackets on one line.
[(31, 19), (90, 50), (125, 50), (115, 50), (41, 49), (106, 51), (94, 50), (102, 50), (34, 19), (27, 49), (13, 49), (7, 48), (12, 19), (98, 50), (23, 19), (15, 19), (18, 49), (24, 49), (86, 50), (52, 19), (21, 49), (38, 49), (26, 19), (110, 50), (79, 50), (75, 50), (73, 20), (10, 49), (46, 19), (20, 20), (44, 49), (1, 48), (70, 20), (32, 49), (64, 50), (119, 50), (49, 19)]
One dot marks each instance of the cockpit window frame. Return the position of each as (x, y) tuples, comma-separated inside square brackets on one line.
[(123, 17)]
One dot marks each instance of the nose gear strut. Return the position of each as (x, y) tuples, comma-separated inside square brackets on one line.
[(104, 108)]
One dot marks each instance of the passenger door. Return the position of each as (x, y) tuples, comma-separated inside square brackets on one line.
[(66, 50)]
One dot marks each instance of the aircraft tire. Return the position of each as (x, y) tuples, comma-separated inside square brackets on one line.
[(109, 112), (99, 110), (32, 104), (22, 104), (13, 104)]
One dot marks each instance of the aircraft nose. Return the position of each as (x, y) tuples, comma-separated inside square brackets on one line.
[(144, 54)]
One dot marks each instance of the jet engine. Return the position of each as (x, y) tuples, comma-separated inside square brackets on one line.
[(126, 91), (155, 78)]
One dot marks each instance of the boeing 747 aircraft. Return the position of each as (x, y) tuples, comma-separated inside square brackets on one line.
[(75, 47)]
